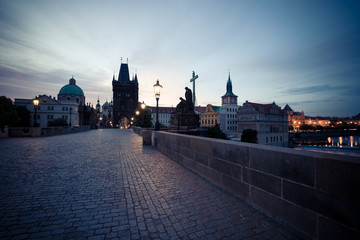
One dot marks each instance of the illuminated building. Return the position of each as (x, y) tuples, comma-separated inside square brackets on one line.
[(269, 120)]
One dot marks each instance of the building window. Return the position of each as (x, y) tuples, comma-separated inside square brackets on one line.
[(267, 139), (68, 98), (77, 100)]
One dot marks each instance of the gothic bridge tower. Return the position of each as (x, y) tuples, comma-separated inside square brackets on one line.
[(125, 97)]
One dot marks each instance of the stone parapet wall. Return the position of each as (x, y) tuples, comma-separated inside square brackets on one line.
[(316, 194), (49, 131)]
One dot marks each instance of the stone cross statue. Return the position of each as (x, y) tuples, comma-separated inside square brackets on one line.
[(193, 81)]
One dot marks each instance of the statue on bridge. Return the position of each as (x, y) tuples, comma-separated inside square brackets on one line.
[(186, 105)]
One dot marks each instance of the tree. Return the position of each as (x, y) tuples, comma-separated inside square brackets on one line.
[(24, 116), (57, 122), (144, 119), (249, 135), (306, 127), (11, 115), (215, 132)]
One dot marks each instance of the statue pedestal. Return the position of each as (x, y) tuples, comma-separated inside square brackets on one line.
[(184, 121)]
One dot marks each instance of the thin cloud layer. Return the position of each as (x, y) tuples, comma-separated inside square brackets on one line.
[(306, 54)]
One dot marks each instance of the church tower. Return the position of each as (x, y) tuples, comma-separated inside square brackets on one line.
[(125, 97), (98, 106), (229, 97)]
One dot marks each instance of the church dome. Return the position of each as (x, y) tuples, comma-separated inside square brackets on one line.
[(106, 104), (71, 89)]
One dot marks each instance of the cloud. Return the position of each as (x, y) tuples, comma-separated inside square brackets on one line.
[(309, 90)]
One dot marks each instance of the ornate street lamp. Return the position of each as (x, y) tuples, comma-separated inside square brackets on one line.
[(70, 109), (143, 105), (36, 103), (157, 88)]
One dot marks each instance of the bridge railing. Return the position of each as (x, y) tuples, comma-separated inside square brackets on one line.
[(316, 194)]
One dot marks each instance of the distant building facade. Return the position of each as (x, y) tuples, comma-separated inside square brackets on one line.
[(70, 106), (269, 120), (210, 117), (295, 119), (105, 114), (165, 114), (125, 97), (50, 109), (228, 111)]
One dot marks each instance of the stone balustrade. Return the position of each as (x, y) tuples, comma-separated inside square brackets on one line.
[(316, 194)]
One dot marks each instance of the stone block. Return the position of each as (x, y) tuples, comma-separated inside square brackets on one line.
[(227, 168), (146, 135), (263, 181), (298, 218), (186, 152), (201, 158), (232, 152), (322, 203), (329, 229), (284, 163), (339, 176), (201, 145), (182, 141), (236, 187)]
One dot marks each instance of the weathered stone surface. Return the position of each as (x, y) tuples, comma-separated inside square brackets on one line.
[(322, 203), (284, 163), (263, 181), (332, 230), (234, 153), (106, 184), (146, 135), (299, 218), (236, 187), (227, 168), (339, 176)]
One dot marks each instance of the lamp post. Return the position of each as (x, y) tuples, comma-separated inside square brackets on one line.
[(157, 88), (137, 118), (70, 109), (143, 105), (36, 103)]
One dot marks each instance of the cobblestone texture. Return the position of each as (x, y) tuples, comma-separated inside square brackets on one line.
[(103, 184)]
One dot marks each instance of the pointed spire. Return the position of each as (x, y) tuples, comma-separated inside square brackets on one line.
[(229, 85), (229, 91)]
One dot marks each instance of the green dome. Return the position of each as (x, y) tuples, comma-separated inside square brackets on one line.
[(71, 89), (106, 104)]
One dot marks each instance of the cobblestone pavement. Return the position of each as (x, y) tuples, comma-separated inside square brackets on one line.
[(103, 184)]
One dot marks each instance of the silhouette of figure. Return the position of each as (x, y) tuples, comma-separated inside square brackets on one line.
[(186, 105)]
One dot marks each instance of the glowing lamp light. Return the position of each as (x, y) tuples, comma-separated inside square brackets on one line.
[(143, 105), (157, 88), (137, 112), (36, 101)]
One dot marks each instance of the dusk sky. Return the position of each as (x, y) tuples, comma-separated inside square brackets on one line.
[(302, 53)]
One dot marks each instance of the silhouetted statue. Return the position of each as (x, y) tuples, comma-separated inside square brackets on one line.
[(186, 105)]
